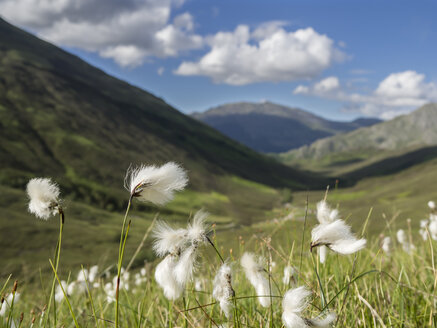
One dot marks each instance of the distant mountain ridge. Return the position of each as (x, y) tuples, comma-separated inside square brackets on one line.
[(400, 135), (273, 128)]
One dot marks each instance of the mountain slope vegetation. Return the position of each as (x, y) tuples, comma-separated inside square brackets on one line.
[(345, 153)]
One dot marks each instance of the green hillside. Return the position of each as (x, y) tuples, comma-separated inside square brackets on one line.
[(345, 153), (61, 117)]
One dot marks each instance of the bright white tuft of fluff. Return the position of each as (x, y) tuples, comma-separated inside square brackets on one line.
[(254, 270), (93, 273), (325, 214), (295, 301), (323, 253), (403, 240), (168, 240), (8, 302), (198, 230), (223, 290), (338, 237), (433, 226), (164, 276), (186, 265), (155, 184), (431, 205), (423, 229), (43, 194), (289, 273), (386, 245), (59, 294)]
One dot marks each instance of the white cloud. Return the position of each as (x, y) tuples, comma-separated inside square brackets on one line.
[(267, 54), (397, 94), (128, 31)]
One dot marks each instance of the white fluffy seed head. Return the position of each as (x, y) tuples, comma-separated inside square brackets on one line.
[(338, 237), (223, 291), (164, 276), (167, 239), (401, 236), (198, 229), (386, 245), (254, 270), (43, 196), (289, 272), (431, 205), (325, 214), (296, 300), (155, 184), (323, 253), (186, 265), (8, 303)]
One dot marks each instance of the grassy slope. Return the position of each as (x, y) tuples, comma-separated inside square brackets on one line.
[(63, 118), (357, 149)]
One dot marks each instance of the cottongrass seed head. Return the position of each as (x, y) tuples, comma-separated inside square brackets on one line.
[(255, 273), (223, 291), (43, 196), (295, 301), (198, 230), (164, 276), (168, 240), (325, 214), (336, 234), (155, 184)]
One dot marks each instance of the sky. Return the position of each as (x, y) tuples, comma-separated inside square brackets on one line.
[(338, 59)]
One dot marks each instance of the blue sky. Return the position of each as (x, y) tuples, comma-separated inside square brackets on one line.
[(338, 59)]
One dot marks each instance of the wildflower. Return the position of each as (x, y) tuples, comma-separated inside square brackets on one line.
[(402, 239), (139, 279), (334, 233), (433, 226), (295, 301), (43, 194), (255, 272), (59, 294), (423, 229), (168, 240), (94, 270), (155, 184), (431, 205), (164, 276), (386, 245), (289, 273), (197, 234), (7, 303), (325, 215), (223, 290), (110, 292)]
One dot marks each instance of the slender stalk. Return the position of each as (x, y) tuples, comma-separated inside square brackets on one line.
[(65, 295), (90, 297), (57, 257), (140, 246), (11, 306), (120, 261), (216, 250), (303, 238)]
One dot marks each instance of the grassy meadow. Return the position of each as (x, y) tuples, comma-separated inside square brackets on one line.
[(367, 289)]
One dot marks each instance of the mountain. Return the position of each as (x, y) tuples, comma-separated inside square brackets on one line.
[(273, 128), (353, 150), (63, 118)]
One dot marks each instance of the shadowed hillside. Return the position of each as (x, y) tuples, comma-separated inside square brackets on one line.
[(273, 128)]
